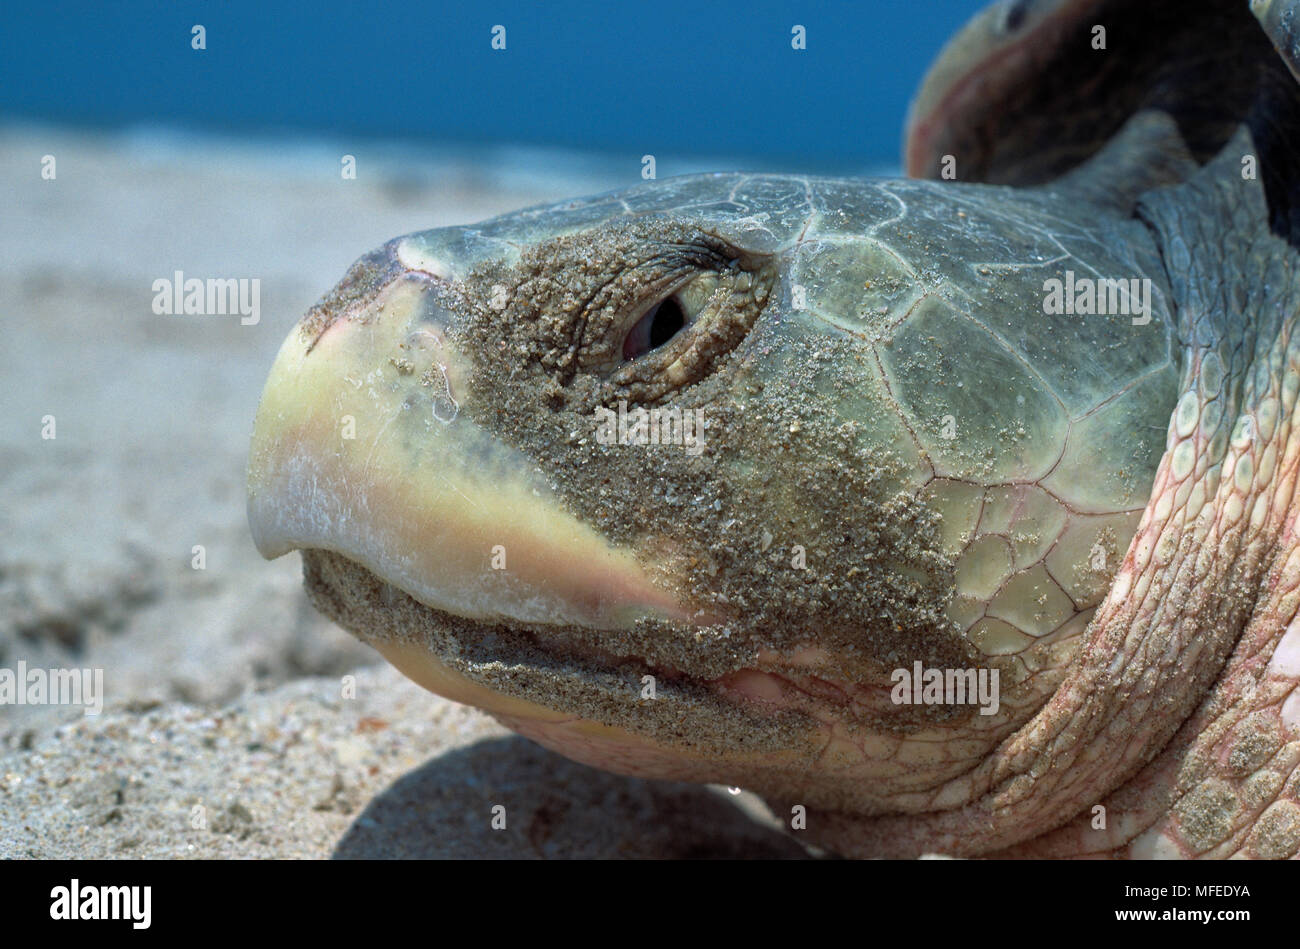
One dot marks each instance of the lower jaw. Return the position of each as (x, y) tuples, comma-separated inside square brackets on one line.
[(589, 710), (599, 714), (584, 740)]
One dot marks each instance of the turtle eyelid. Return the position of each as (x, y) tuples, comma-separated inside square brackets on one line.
[(718, 310)]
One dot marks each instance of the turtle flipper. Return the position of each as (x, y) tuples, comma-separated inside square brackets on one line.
[(1027, 92)]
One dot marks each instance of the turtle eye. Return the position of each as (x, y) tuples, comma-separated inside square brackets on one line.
[(661, 323)]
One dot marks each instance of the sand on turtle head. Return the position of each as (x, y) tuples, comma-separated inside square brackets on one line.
[(782, 468)]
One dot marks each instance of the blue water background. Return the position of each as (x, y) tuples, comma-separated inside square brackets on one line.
[(670, 78)]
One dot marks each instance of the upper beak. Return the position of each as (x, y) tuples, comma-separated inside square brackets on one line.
[(364, 445)]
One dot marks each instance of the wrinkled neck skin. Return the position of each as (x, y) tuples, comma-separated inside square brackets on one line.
[(1175, 728)]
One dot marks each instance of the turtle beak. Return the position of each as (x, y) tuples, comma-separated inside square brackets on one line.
[(364, 445)]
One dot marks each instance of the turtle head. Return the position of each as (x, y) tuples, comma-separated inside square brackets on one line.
[(652, 477), (594, 468)]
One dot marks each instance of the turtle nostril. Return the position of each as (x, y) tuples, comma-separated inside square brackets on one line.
[(660, 324)]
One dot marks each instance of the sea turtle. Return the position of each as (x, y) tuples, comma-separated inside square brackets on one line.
[(948, 515)]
